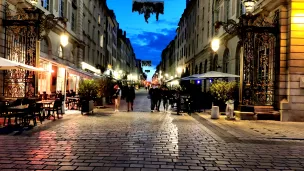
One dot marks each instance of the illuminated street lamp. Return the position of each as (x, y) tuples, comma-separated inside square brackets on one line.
[(64, 39), (34, 2), (179, 70), (215, 44)]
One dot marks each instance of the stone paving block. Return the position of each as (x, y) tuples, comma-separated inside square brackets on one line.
[(85, 168), (116, 169), (68, 167)]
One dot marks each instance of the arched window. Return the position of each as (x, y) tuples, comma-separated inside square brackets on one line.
[(225, 60), (44, 46), (237, 59), (196, 69), (211, 62), (200, 68), (215, 62), (72, 55), (60, 52)]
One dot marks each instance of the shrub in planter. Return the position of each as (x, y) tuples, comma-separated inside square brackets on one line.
[(222, 91), (103, 90), (87, 92)]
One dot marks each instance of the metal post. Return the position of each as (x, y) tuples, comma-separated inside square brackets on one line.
[(37, 65), (241, 75)]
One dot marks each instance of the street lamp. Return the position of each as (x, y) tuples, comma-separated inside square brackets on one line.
[(215, 44), (34, 2), (179, 70), (64, 39)]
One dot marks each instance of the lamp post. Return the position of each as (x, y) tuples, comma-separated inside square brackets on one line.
[(259, 44), (179, 70)]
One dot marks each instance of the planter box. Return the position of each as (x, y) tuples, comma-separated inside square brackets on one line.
[(87, 106)]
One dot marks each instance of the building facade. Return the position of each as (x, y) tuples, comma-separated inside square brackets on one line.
[(276, 74), (92, 46)]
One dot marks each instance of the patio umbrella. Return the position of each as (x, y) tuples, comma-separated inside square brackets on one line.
[(192, 77), (173, 79), (215, 74), (6, 64)]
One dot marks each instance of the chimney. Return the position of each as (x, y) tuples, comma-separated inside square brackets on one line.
[(125, 33)]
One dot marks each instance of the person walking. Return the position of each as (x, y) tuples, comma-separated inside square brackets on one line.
[(165, 98), (158, 98), (117, 97), (130, 96), (152, 98)]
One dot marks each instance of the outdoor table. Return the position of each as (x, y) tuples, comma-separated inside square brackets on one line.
[(45, 104), (16, 110), (73, 100)]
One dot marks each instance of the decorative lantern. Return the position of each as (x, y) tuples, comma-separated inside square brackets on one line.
[(34, 2), (64, 40), (215, 44), (249, 5)]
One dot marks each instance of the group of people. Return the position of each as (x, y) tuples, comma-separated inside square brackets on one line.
[(129, 95), (158, 95)]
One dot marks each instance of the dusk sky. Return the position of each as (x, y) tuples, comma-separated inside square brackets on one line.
[(148, 39)]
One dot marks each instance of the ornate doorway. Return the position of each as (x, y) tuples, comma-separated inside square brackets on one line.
[(20, 46), (260, 51)]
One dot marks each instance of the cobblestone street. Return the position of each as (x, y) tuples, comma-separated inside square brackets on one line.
[(144, 141)]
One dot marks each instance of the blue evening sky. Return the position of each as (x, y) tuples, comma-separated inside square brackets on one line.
[(148, 39)]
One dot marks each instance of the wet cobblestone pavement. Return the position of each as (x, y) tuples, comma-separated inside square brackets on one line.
[(142, 141)]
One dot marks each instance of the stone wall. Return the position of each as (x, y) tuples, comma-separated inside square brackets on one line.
[(292, 107)]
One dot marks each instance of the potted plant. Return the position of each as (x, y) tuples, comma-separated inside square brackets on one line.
[(222, 91), (102, 91), (87, 92)]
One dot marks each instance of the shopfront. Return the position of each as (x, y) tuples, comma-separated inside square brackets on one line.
[(52, 81)]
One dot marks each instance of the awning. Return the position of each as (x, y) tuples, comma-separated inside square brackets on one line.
[(82, 73), (6, 64)]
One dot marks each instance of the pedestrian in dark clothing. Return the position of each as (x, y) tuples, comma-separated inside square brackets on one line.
[(165, 98), (153, 100), (130, 96), (157, 98)]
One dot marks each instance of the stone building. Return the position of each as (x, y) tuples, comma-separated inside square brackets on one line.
[(92, 45), (276, 76)]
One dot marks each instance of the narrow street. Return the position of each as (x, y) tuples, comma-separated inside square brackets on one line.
[(143, 141)]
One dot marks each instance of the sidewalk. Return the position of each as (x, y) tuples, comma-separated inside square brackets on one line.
[(259, 129)]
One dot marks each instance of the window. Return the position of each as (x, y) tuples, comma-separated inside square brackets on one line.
[(45, 4), (222, 14), (208, 30), (200, 68), (99, 19), (60, 52), (73, 22), (61, 8), (225, 60), (197, 40), (233, 5), (101, 41)]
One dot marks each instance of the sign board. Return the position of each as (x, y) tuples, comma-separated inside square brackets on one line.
[(146, 63), (147, 71)]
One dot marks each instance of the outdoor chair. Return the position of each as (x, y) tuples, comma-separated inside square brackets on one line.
[(57, 108)]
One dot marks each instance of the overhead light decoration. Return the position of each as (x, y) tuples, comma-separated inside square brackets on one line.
[(148, 7)]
